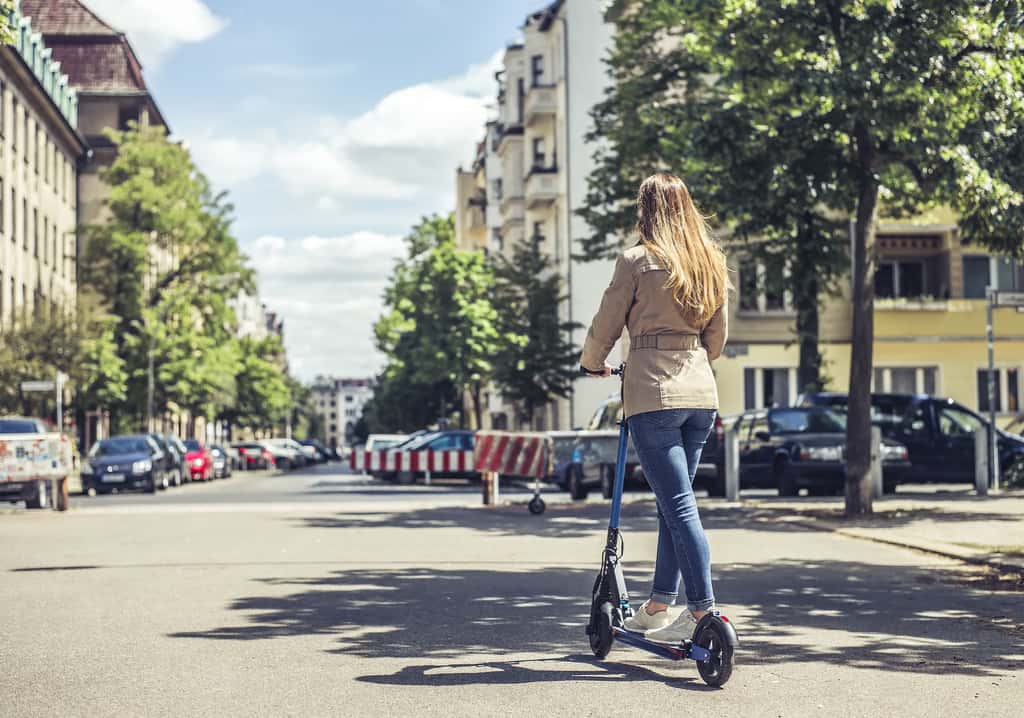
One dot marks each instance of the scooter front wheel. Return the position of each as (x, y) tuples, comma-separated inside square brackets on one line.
[(601, 637), (719, 641)]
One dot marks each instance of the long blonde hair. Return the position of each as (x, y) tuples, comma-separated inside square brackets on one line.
[(677, 234)]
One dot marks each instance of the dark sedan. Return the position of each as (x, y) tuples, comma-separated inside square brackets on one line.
[(125, 462), (445, 440), (805, 448)]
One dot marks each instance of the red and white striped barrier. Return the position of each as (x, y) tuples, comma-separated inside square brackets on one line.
[(525, 454), (436, 462)]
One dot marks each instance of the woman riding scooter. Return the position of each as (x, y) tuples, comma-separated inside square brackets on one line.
[(669, 291)]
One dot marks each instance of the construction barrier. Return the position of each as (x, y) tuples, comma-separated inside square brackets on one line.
[(436, 462), (522, 454)]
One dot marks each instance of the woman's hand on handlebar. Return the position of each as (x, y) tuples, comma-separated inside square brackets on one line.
[(605, 371)]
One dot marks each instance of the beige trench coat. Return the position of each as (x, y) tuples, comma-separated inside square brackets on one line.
[(669, 363)]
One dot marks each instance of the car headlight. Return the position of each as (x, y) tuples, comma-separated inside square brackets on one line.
[(197, 462), (822, 453), (87, 468), (141, 467), (894, 453)]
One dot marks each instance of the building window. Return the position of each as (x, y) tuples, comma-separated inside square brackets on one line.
[(334, 415), (35, 234), (1007, 393), (906, 380), (46, 240), (3, 219), (14, 217), (762, 285), (14, 125), (53, 244), (125, 116), (997, 272), (498, 187), (900, 279), (520, 95), (349, 398), (334, 428), (537, 70), (766, 388), (24, 222), (539, 156)]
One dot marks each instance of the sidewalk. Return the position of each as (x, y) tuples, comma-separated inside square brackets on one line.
[(958, 524)]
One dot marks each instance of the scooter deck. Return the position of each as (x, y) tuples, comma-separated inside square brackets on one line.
[(673, 651)]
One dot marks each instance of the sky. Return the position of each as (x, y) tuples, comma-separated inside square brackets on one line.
[(334, 126)]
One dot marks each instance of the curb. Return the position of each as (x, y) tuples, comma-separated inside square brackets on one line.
[(937, 548)]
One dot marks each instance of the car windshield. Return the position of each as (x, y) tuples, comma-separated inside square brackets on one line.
[(120, 445), (18, 426), (806, 421), (191, 444), (418, 441)]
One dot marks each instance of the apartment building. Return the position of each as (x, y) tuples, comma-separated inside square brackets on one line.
[(532, 168), (930, 325), (339, 404), (40, 152)]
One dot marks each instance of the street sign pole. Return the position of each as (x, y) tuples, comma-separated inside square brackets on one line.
[(60, 402), (993, 444)]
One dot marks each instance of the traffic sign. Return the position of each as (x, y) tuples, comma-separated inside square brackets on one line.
[(38, 386), (1009, 299)]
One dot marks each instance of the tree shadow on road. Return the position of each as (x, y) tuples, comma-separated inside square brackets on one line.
[(841, 613), (559, 521)]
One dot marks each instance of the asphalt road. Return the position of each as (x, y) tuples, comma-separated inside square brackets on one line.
[(317, 593)]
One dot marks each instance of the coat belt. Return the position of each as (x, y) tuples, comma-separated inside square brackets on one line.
[(665, 341)]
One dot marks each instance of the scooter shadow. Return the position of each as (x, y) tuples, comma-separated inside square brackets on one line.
[(492, 673)]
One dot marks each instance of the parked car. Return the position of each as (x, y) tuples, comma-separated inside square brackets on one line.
[(286, 452), (375, 442), (314, 451), (177, 466), (125, 462), (795, 448), (253, 455), (593, 462), (200, 461), (33, 493), (938, 433), (444, 440), (221, 462)]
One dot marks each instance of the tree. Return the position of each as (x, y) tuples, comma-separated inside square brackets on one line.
[(440, 331), (163, 267), (7, 26), (915, 104), (773, 204), (538, 361), (263, 394)]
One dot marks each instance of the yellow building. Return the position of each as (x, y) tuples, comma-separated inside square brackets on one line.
[(930, 328)]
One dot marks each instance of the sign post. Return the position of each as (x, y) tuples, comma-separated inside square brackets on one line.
[(996, 300), (57, 385)]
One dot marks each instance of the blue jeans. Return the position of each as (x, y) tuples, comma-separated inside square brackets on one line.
[(669, 443)]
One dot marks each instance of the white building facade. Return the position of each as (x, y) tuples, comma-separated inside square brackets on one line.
[(536, 163), (339, 403)]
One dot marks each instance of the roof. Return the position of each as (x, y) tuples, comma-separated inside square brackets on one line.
[(95, 56), (544, 18), (65, 17)]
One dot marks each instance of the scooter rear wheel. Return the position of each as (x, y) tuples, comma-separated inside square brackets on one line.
[(601, 637), (718, 669)]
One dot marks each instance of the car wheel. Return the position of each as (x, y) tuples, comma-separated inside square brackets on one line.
[(150, 486), (577, 490), (165, 482), (784, 478), (284, 464)]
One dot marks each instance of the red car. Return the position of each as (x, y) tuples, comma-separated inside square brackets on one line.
[(199, 460)]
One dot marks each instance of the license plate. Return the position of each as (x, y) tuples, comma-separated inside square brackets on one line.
[(113, 478)]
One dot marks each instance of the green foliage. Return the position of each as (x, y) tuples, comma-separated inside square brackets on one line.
[(7, 26), (439, 332), (164, 267), (264, 394), (537, 361), (915, 104)]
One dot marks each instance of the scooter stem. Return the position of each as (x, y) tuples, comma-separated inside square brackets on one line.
[(620, 475)]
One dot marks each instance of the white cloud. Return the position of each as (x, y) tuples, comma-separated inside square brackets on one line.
[(328, 289), (156, 27), (380, 170)]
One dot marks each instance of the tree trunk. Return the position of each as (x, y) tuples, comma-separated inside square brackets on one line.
[(858, 425), (477, 408)]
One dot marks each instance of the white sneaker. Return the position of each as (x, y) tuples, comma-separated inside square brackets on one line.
[(677, 631), (642, 621)]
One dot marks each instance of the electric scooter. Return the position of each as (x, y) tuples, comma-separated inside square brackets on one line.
[(714, 639)]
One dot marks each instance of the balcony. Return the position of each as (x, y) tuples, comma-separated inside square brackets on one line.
[(541, 187), (512, 214), (508, 135), (541, 102)]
